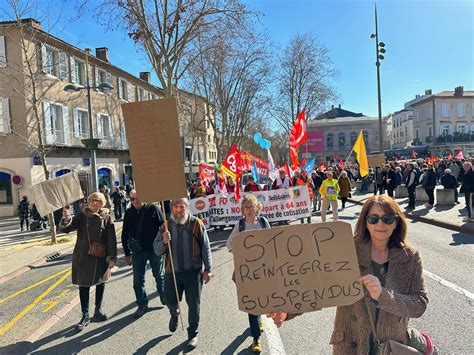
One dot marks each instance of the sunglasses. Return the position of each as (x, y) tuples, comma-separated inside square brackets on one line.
[(386, 219)]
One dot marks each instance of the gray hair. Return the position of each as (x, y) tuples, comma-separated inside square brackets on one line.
[(182, 200), (447, 171)]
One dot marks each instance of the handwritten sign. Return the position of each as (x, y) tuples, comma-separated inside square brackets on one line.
[(376, 160), (155, 149), (296, 269)]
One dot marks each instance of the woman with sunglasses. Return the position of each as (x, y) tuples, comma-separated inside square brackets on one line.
[(392, 274), (94, 255)]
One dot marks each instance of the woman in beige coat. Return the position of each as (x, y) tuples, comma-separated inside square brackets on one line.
[(393, 277)]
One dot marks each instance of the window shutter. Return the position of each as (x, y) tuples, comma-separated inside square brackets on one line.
[(111, 127), (66, 129), (44, 64), (48, 133), (63, 72), (3, 54), (72, 64), (108, 78), (99, 127), (6, 122), (120, 89), (75, 120), (129, 91), (461, 110), (139, 97), (96, 77)]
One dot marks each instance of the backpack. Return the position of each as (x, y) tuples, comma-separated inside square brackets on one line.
[(263, 223)]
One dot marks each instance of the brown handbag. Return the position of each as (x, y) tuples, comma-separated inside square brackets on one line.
[(95, 249), (388, 347)]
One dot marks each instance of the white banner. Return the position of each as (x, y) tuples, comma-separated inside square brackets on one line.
[(277, 205)]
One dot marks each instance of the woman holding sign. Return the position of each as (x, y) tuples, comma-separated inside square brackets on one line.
[(94, 255), (392, 274), (250, 221)]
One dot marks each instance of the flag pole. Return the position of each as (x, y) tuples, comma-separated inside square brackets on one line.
[(165, 225)]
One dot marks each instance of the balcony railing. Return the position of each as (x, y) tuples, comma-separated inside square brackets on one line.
[(59, 139), (417, 141), (429, 139), (456, 137)]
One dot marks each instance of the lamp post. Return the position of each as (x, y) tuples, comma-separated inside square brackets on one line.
[(91, 143), (379, 55)]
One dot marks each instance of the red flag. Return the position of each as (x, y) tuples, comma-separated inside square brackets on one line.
[(289, 171), (303, 162), (294, 155), (341, 164), (460, 156), (298, 134), (237, 189), (206, 172), (414, 154), (231, 164), (450, 155), (322, 167)]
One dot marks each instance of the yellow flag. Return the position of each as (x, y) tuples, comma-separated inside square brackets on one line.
[(359, 148)]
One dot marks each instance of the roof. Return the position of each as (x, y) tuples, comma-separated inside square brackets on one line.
[(442, 94), (337, 112)]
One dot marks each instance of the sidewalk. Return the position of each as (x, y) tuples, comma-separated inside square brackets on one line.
[(445, 216)]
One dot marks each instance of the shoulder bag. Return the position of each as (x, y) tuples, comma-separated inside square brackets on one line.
[(388, 347), (95, 249)]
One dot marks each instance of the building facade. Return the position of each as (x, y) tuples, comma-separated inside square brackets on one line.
[(335, 132), (402, 129), (28, 54), (444, 121)]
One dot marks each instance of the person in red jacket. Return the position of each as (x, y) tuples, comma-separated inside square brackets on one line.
[(251, 185)]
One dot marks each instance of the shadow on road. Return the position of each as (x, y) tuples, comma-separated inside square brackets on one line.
[(232, 347), (150, 345), (462, 238)]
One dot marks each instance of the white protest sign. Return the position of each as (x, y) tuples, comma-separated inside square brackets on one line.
[(296, 269)]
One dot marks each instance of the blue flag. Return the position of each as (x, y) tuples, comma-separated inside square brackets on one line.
[(309, 166), (255, 171)]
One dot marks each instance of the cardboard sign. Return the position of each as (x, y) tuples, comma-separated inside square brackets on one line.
[(376, 160), (296, 269), (56, 193), (155, 149)]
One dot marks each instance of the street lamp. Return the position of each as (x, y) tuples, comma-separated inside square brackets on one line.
[(90, 143), (379, 55)]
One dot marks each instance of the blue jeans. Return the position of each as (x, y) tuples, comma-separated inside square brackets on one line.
[(140, 261), (189, 282), (254, 322)]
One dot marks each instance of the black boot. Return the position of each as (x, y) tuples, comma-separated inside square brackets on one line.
[(84, 322), (98, 315)]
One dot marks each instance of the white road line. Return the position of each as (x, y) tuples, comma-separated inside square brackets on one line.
[(275, 344), (450, 285)]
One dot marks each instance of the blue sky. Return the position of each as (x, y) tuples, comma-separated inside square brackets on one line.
[(430, 44)]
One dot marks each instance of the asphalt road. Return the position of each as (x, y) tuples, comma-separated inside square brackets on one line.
[(449, 319)]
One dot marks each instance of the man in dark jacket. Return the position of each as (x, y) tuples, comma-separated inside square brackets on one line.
[(411, 182), (467, 188), (389, 180), (449, 182), (429, 184), (140, 227)]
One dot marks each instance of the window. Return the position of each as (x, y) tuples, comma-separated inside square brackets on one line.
[(445, 130), (104, 127), (330, 140), (417, 116), (3, 54), (5, 126), (416, 134), (366, 137), (445, 110), (123, 136), (56, 123), (406, 131), (78, 71), (124, 89), (430, 112), (353, 138), (49, 62), (462, 129), (141, 94), (54, 62), (81, 123), (6, 195), (101, 76), (430, 130), (461, 109), (342, 139)]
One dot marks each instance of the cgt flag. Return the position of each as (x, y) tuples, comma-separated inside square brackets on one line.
[(359, 149), (460, 155)]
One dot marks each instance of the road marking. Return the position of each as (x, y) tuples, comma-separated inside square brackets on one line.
[(34, 303), (450, 285), (275, 344), (34, 285), (50, 304)]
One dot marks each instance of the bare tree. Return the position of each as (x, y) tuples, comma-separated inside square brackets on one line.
[(22, 79), (167, 29), (304, 80)]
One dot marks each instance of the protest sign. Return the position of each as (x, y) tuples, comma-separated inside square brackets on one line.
[(296, 269), (376, 160), (155, 149), (51, 195), (200, 208), (277, 205)]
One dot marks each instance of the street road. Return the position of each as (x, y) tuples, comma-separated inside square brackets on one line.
[(449, 319)]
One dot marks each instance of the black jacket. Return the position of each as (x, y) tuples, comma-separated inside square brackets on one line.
[(151, 222), (449, 181), (468, 182), (429, 181), (389, 175)]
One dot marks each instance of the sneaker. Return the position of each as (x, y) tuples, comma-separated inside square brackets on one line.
[(262, 326), (83, 323), (468, 219), (99, 316), (256, 346), (140, 312), (173, 324), (193, 342)]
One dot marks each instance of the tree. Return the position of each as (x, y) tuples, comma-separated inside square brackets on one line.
[(304, 80), (166, 30), (22, 78)]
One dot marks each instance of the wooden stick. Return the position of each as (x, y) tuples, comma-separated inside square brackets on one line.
[(165, 225)]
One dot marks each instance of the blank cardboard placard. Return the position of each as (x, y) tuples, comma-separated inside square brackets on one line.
[(51, 195), (296, 269), (155, 149), (376, 160)]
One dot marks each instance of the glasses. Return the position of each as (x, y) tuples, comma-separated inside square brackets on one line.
[(96, 200), (386, 219), (248, 207)]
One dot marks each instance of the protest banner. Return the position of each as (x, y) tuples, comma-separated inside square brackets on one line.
[(51, 195), (200, 208), (296, 269), (277, 205), (155, 149), (376, 160)]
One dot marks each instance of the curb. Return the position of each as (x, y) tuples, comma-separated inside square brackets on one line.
[(35, 263), (435, 222)]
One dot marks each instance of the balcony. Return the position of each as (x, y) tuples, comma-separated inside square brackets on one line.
[(59, 138), (417, 141), (457, 137), (429, 139)]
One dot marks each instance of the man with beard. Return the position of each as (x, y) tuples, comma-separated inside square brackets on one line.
[(190, 248)]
